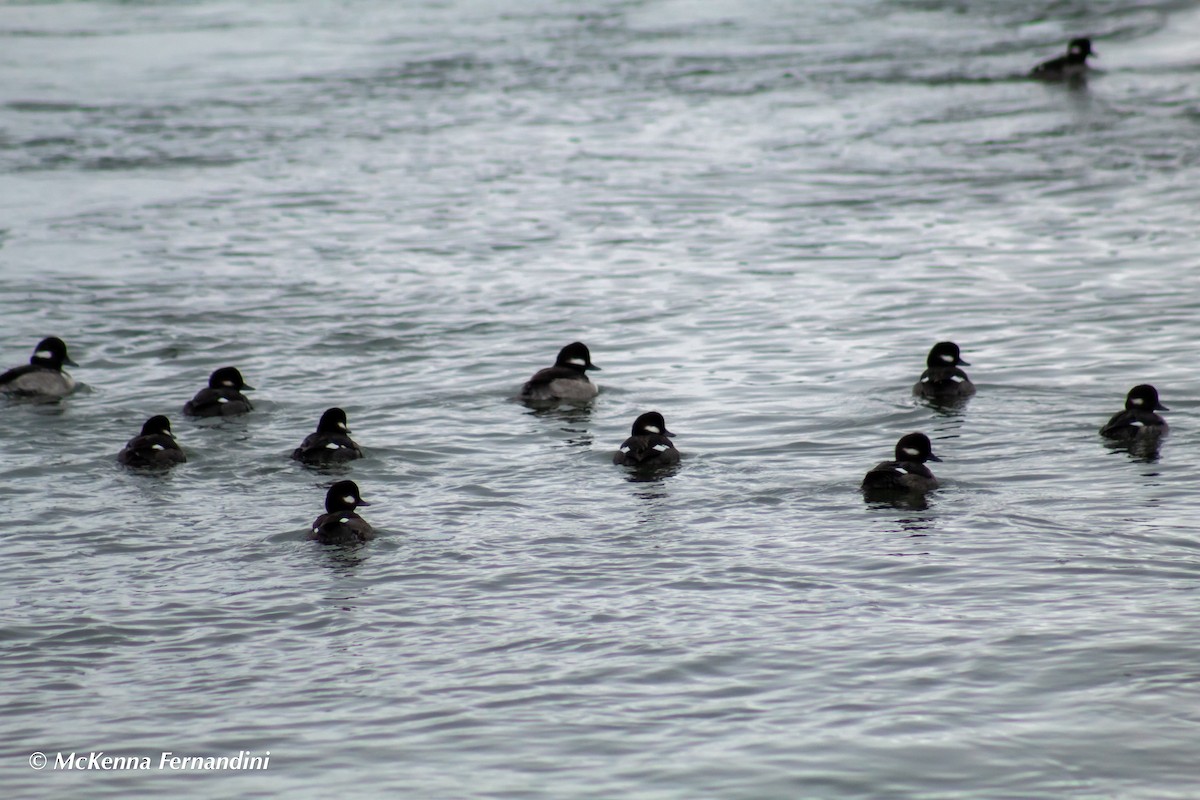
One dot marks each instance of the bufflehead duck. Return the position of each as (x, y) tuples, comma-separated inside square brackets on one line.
[(943, 381), (648, 445), (43, 376), (908, 472), (222, 398), (1138, 420), (340, 525), (1072, 65), (330, 443), (566, 380), (155, 446)]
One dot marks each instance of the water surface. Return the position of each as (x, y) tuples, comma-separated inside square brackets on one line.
[(760, 219)]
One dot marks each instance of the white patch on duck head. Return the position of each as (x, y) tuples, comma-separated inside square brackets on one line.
[(349, 499), (43, 354), (1137, 401), (579, 362), (947, 358), (342, 425), (227, 383), (912, 451), (651, 429)]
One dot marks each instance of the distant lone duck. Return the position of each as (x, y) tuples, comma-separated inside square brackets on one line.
[(222, 398), (43, 377), (566, 380), (943, 381), (155, 446), (1138, 421), (330, 443), (340, 524), (908, 472), (1072, 65), (648, 445)]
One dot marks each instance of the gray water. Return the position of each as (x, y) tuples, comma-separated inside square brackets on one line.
[(759, 216)]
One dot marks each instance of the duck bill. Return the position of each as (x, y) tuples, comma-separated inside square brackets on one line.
[(592, 366), (67, 360), (932, 457), (363, 503)]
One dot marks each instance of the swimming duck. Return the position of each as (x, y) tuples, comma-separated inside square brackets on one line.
[(340, 524), (43, 376), (648, 444), (907, 472), (1138, 420), (943, 381), (223, 396), (566, 380), (155, 446), (329, 443), (1072, 65)]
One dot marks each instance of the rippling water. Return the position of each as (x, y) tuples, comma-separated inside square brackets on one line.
[(759, 218)]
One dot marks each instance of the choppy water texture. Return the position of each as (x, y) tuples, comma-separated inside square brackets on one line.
[(760, 217)]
